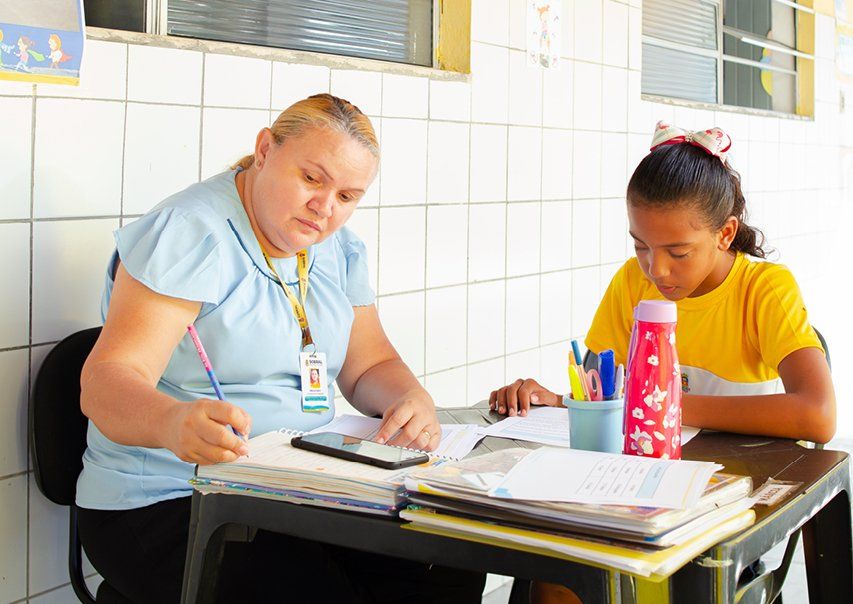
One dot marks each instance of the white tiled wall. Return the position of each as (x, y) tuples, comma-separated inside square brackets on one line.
[(494, 226)]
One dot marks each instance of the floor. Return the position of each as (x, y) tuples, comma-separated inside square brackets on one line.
[(794, 591)]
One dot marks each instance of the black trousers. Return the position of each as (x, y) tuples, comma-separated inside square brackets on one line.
[(141, 553)]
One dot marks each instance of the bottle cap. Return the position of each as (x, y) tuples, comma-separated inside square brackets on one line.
[(656, 311)]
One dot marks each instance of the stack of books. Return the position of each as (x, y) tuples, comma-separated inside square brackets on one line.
[(274, 469), (464, 499)]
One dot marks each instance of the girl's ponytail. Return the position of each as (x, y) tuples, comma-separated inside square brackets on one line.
[(748, 240)]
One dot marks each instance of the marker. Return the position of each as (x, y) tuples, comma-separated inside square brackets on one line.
[(575, 382), (209, 369), (607, 372)]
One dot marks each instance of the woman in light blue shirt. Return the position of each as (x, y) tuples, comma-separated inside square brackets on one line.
[(215, 255)]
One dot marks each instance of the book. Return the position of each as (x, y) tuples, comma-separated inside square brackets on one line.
[(655, 564), (276, 469), (465, 488)]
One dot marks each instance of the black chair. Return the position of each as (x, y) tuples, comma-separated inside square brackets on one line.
[(57, 433)]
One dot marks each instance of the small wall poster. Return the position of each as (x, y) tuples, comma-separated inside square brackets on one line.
[(41, 41), (543, 32)]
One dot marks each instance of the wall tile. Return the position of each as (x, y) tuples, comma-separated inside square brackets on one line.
[(485, 321), (585, 288), (586, 158), (362, 88), (488, 163), (587, 103), (405, 96), (489, 83), (447, 162), (522, 313), (449, 100), (403, 320), (14, 368), (293, 82), (447, 245), (227, 135), (371, 196), (556, 235), (614, 226), (448, 388), (490, 21), (525, 164), (552, 360), (104, 74), (48, 526), (522, 365), (153, 170), (523, 243), (164, 75), (486, 242), (640, 118), (13, 527), (364, 222), (240, 82), (556, 164), (614, 110), (402, 254), (525, 91), (404, 152), (483, 378), (518, 25), (567, 18), (614, 180), (446, 327), (8, 88), (558, 95), (615, 34), (71, 137), (556, 307), (586, 231), (588, 30), (16, 157), (635, 38), (15, 301), (69, 262)]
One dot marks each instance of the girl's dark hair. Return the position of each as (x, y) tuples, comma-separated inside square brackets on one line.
[(683, 174)]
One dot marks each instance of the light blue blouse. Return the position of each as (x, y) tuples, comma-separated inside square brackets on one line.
[(199, 245)]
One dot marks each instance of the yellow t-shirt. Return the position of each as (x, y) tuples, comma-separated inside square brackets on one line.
[(731, 340)]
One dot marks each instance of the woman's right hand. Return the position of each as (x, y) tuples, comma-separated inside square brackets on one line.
[(199, 433), (516, 398)]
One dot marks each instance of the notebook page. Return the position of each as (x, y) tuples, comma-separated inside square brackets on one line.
[(546, 425)]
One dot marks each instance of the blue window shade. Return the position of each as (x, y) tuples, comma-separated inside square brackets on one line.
[(388, 30)]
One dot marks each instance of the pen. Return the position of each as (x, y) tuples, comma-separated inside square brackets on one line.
[(607, 372), (209, 368), (576, 349)]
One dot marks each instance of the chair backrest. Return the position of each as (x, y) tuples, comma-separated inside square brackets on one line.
[(57, 427)]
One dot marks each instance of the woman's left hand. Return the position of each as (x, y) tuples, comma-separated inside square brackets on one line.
[(411, 421)]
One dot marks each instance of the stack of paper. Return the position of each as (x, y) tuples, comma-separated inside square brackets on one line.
[(639, 529)]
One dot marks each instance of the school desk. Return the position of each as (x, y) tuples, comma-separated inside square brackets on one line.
[(821, 505)]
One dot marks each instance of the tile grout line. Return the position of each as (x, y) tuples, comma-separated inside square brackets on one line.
[(30, 334)]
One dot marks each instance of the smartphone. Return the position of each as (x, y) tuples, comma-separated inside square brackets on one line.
[(356, 449)]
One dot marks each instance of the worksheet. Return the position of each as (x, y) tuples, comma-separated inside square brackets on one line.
[(546, 425)]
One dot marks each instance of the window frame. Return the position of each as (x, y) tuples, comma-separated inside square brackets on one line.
[(803, 73)]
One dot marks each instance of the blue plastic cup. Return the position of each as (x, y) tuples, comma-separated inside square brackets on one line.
[(595, 425)]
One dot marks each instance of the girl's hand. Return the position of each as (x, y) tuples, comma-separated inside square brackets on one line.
[(516, 398), (411, 422), (199, 433)]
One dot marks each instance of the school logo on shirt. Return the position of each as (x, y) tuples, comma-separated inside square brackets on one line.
[(685, 382)]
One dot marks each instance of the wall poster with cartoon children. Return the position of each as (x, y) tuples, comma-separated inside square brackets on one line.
[(543, 32), (41, 40)]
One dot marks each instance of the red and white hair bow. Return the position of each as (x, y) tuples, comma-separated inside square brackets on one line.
[(714, 141)]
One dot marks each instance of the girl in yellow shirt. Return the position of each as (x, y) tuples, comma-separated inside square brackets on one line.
[(751, 362)]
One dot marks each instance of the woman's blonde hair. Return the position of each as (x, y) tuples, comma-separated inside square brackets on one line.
[(321, 111)]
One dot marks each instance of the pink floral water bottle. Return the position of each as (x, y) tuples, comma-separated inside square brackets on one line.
[(653, 383)]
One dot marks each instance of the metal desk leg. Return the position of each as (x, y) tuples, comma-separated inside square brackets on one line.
[(205, 548), (829, 552)]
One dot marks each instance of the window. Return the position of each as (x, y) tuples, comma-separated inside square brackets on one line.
[(732, 52), (389, 30)]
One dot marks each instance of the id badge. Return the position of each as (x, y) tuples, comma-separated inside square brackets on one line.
[(315, 382)]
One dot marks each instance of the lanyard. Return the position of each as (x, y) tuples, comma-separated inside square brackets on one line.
[(298, 307)]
